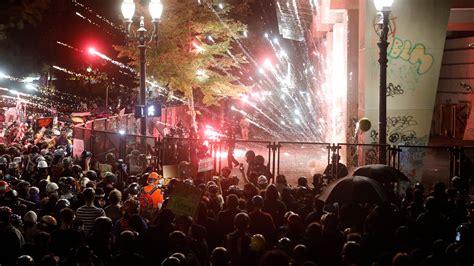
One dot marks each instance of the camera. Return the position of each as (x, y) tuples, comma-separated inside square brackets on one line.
[(86, 154)]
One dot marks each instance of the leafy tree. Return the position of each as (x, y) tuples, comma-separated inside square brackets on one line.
[(15, 14), (197, 51)]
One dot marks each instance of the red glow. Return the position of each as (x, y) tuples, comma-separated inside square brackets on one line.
[(92, 50)]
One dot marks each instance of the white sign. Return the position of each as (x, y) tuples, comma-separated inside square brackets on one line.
[(206, 164), (78, 147)]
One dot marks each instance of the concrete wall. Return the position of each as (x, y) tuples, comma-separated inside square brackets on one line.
[(418, 32)]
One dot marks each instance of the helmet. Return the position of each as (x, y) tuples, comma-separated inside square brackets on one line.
[(257, 242), (25, 260), (5, 213), (133, 189), (13, 165), (3, 160), (233, 190), (39, 159), (86, 154), (48, 221), (83, 181), (30, 217), (62, 203), (213, 189), (99, 193), (23, 185), (63, 183), (15, 220), (33, 191), (257, 201), (131, 206), (4, 187), (42, 165), (91, 174), (59, 153), (302, 181), (110, 177), (154, 175), (77, 168), (17, 160), (188, 182), (51, 187), (262, 180), (67, 161), (11, 196)]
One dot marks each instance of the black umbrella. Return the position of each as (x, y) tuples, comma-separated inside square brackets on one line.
[(354, 189), (381, 172)]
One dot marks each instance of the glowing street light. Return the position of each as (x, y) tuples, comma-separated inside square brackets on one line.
[(128, 10), (383, 6)]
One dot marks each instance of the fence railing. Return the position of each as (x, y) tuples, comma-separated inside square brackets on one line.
[(293, 159)]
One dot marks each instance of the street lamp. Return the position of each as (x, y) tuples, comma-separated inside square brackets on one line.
[(384, 8), (128, 9)]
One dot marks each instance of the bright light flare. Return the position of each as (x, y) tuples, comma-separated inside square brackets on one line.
[(267, 63), (4, 76), (92, 51)]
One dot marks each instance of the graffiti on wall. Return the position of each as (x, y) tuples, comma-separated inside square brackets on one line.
[(393, 90), (400, 129), (414, 53)]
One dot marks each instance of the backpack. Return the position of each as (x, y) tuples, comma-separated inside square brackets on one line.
[(146, 202)]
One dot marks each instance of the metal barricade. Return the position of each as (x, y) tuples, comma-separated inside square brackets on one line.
[(296, 159), (426, 164), (358, 154)]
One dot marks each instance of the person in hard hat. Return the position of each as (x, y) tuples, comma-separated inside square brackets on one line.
[(153, 190)]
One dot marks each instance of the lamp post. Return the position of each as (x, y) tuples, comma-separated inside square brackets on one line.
[(128, 9), (384, 8)]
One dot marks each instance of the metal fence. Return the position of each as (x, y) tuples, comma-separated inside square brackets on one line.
[(293, 159)]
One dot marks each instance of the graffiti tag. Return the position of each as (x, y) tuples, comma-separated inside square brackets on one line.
[(393, 90), (415, 54), (399, 129)]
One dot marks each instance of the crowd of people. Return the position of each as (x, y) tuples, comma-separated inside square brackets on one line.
[(60, 210)]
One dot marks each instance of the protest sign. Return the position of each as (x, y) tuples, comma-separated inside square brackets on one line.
[(206, 164), (170, 171), (184, 200), (77, 147), (46, 122), (104, 168)]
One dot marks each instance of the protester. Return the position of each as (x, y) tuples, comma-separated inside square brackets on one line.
[(60, 210)]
